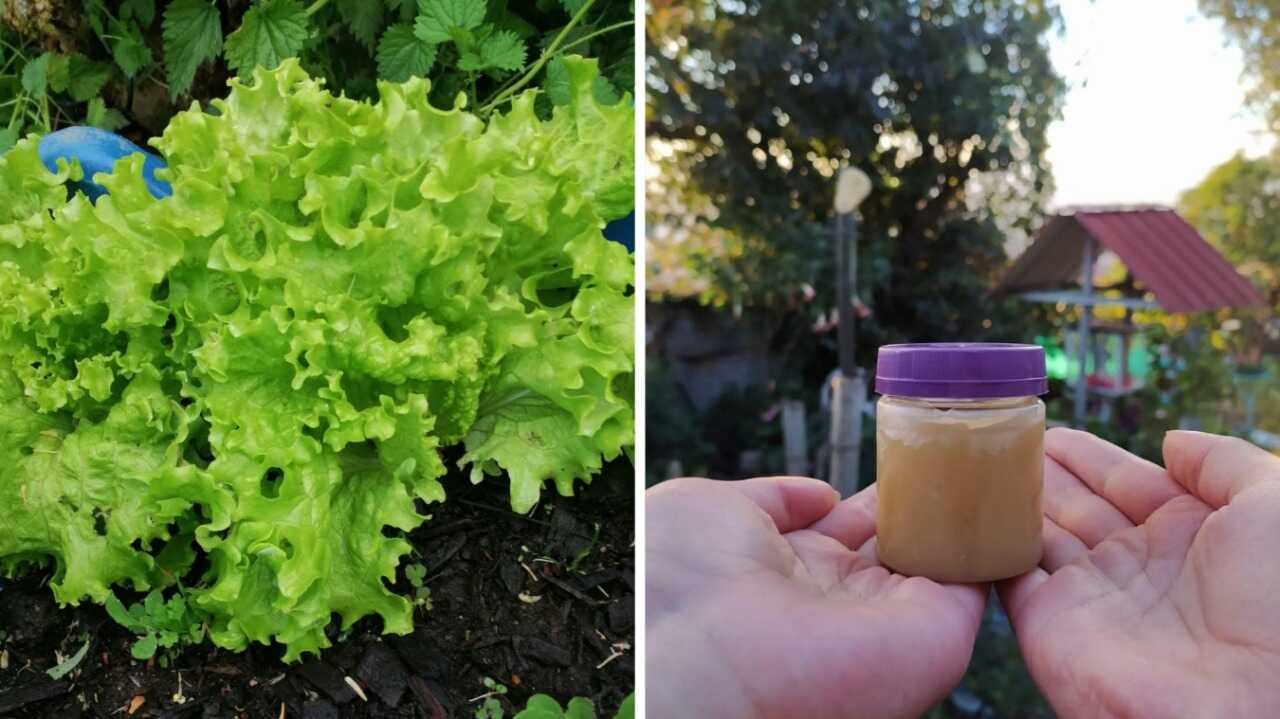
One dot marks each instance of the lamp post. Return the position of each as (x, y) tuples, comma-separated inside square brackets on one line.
[(848, 388)]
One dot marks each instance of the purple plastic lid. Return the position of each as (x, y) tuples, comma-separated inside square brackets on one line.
[(961, 370)]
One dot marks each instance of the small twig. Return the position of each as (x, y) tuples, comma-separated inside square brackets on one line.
[(573, 592)]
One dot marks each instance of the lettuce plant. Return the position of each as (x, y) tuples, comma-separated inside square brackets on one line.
[(247, 386)]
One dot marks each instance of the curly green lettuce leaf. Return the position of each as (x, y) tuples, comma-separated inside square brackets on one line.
[(263, 369)]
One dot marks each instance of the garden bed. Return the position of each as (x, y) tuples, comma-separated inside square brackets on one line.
[(540, 604)]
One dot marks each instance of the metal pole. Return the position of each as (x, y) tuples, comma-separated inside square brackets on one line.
[(1086, 312), (844, 293), (847, 391)]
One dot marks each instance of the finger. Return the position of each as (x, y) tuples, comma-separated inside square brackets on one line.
[(1131, 484), (792, 502), (1015, 592), (853, 521), (1216, 469), (1077, 509), (1060, 547), (870, 552)]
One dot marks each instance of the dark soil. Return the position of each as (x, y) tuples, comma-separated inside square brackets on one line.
[(480, 558)]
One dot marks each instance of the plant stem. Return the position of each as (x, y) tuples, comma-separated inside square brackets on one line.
[(542, 60), (594, 35), (316, 6)]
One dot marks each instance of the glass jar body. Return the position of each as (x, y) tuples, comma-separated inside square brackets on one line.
[(959, 484)]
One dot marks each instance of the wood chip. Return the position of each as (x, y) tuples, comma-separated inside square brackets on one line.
[(136, 703), (281, 710), (355, 687), (4, 659), (530, 598)]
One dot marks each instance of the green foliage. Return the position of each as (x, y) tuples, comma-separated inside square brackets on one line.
[(192, 36), (1255, 27), (1237, 209), (261, 371), (541, 706), (416, 575), (271, 31), (155, 58), (945, 106), (674, 428), (160, 624), (491, 708), (69, 664)]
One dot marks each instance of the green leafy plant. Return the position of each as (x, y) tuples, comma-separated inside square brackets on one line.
[(541, 706), (261, 370), (416, 574), (491, 707), (161, 624), (137, 59)]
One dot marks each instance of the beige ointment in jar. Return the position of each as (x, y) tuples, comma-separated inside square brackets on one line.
[(960, 459)]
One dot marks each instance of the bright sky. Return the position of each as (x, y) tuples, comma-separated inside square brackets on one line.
[(1155, 101)]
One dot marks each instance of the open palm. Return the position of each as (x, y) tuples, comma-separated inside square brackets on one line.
[(765, 599), (1159, 592)]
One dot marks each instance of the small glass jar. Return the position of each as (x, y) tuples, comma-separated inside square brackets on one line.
[(960, 459)]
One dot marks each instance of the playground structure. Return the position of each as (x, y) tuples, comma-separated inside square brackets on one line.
[(1166, 265)]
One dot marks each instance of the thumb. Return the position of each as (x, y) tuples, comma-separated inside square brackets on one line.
[(1216, 468)]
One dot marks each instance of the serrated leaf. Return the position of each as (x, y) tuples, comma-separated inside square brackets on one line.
[(603, 91), (59, 74), (94, 12), (268, 33), (502, 50), (557, 85), (192, 34), (35, 75), (87, 77), (402, 55), (144, 11), (129, 50), (363, 18), (439, 20), (99, 115)]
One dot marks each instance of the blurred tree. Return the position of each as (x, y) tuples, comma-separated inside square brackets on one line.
[(754, 106), (1237, 209), (1255, 26)]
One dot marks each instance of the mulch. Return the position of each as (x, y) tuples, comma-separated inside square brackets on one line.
[(540, 604)]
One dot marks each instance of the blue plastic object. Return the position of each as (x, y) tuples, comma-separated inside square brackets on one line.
[(623, 232), (97, 150)]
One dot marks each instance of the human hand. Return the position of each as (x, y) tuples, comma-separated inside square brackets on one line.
[(765, 599), (1159, 592)]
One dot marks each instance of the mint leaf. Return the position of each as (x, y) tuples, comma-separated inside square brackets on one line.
[(363, 19), (268, 33), (402, 55), (144, 11), (192, 35), (86, 77), (59, 73), (99, 115), (35, 75), (129, 50), (502, 50), (438, 20), (558, 86)]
